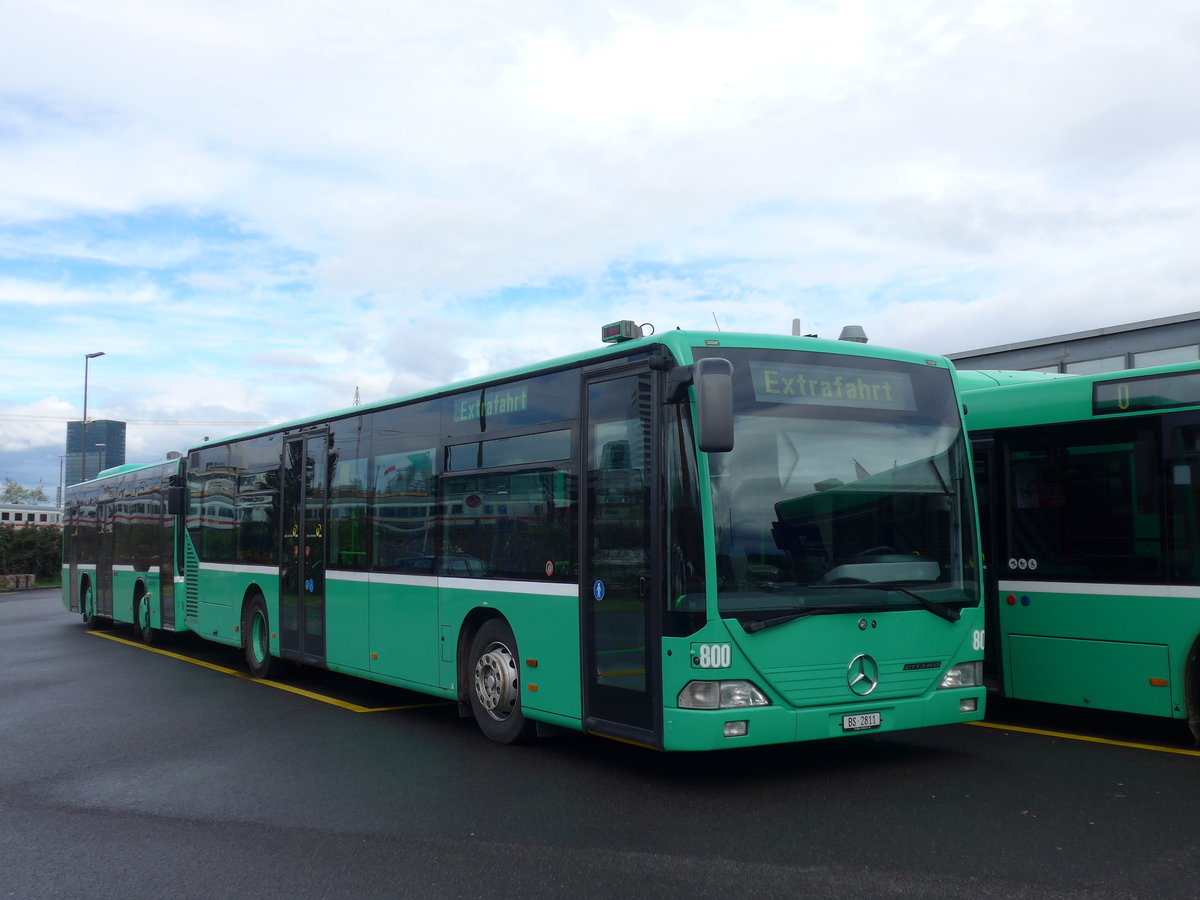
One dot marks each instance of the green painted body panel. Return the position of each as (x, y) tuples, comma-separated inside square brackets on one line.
[(1098, 649), (970, 380), (222, 592), (1072, 611), (346, 619), (124, 585), (1021, 399), (804, 662), (802, 666), (546, 627), (1042, 402), (404, 633), (401, 622), (691, 729), (1061, 670)]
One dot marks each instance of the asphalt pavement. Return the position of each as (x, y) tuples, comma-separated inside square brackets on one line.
[(132, 773)]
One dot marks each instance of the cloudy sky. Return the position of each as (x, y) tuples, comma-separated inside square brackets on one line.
[(255, 207)]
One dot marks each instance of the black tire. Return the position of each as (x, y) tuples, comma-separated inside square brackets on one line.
[(494, 684), (142, 620), (256, 638), (87, 607), (136, 616)]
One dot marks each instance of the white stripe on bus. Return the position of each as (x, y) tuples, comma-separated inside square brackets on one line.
[(543, 588), (1181, 591), (546, 589), (549, 589), (238, 568)]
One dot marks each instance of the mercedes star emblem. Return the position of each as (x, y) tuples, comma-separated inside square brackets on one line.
[(862, 675)]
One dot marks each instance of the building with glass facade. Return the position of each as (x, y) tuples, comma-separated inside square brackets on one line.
[(105, 448)]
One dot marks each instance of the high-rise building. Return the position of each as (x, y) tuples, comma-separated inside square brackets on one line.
[(105, 448)]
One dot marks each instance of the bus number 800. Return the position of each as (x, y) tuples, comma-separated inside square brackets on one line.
[(711, 656)]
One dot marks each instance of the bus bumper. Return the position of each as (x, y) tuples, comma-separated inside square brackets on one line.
[(695, 729)]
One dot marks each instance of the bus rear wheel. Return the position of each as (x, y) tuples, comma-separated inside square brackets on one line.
[(145, 629), (87, 604), (494, 675), (256, 638)]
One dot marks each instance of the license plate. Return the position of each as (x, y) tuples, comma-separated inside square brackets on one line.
[(861, 722)]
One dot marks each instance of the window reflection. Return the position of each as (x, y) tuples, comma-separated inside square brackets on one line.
[(822, 495)]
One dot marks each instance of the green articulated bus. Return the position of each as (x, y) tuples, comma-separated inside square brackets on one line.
[(1089, 493), (685, 541)]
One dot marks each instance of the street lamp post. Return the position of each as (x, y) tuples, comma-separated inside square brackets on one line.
[(86, 360)]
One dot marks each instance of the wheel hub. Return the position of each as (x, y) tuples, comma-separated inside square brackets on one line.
[(496, 681)]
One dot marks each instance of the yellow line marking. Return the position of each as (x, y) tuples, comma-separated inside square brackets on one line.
[(1086, 737), (196, 662), (224, 670), (410, 706), (609, 737)]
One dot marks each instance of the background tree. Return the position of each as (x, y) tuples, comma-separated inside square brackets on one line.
[(36, 550), (11, 492)]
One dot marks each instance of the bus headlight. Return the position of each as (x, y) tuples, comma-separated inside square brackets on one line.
[(720, 695), (963, 675)]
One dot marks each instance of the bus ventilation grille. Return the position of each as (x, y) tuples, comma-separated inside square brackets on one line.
[(192, 577)]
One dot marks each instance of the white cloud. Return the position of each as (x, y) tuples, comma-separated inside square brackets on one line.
[(35, 424), (255, 207), (26, 292)]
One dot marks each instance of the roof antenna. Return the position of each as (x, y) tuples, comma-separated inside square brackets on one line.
[(718, 324)]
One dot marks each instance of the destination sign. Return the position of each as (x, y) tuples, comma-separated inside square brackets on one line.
[(496, 402), (1145, 393), (832, 386)]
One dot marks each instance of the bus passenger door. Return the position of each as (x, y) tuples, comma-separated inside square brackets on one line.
[(621, 683), (302, 556), (991, 502), (104, 558)]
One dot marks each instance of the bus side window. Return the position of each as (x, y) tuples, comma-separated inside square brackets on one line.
[(1084, 504)]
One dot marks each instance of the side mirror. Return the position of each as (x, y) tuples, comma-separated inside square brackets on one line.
[(713, 379), (175, 500)]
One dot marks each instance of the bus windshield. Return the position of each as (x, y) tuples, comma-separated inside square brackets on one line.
[(846, 490)]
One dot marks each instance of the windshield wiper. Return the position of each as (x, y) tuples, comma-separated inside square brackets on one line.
[(763, 624), (949, 613)]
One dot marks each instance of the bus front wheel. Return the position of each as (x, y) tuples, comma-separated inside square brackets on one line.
[(495, 684), (256, 638)]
